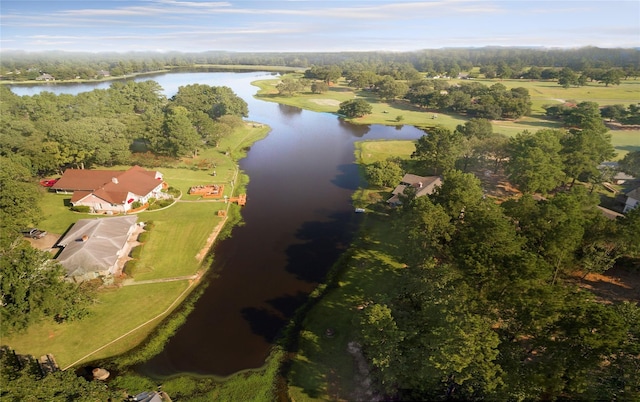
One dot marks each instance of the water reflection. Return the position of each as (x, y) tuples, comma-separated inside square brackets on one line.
[(288, 110)]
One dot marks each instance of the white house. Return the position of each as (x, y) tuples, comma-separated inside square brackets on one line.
[(109, 190), (633, 198)]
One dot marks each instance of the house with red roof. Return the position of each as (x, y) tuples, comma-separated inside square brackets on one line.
[(110, 190)]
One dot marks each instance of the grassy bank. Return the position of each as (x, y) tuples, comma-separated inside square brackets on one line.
[(323, 369), (542, 93), (180, 232)]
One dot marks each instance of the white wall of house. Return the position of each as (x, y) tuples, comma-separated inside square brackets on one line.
[(630, 204)]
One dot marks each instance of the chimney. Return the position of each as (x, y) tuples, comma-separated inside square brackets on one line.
[(114, 180), (420, 184), (85, 238)]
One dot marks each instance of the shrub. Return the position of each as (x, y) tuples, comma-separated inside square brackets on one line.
[(173, 191), (148, 225), (143, 237), (136, 204), (130, 267), (136, 252), (81, 208)]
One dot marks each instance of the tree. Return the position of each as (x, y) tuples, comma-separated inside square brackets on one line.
[(534, 162), (458, 192), (319, 87), (18, 200), (215, 101), (380, 340), (390, 89), (583, 151), (354, 108), (180, 137), (23, 381), (384, 173), (611, 76), (614, 112), (585, 116), (567, 78), (289, 86), (439, 149), (478, 128), (32, 288), (630, 164)]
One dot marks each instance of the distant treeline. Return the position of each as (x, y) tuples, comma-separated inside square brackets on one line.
[(22, 66)]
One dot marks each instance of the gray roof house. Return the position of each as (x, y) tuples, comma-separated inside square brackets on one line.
[(423, 185), (92, 247)]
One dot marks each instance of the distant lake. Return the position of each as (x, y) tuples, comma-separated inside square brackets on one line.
[(297, 222)]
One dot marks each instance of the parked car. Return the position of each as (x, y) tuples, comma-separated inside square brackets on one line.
[(34, 233)]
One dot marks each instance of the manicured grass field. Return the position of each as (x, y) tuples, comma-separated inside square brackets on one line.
[(542, 93), (116, 312), (178, 235)]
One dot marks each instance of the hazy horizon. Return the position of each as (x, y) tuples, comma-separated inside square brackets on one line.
[(300, 26)]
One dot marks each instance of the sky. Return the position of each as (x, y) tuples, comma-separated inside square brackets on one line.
[(313, 25)]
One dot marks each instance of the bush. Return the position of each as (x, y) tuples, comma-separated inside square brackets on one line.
[(136, 252), (173, 191), (130, 268), (148, 225), (143, 237), (81, 208), (136, 204), (165, 203)]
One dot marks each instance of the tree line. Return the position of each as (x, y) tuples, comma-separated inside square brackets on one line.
[(494, 62), (49, 132)]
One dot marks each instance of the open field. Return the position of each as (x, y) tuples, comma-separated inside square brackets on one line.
[(542, 93)]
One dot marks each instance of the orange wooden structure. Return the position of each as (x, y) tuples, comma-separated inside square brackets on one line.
[(208, 191), (241, 199)]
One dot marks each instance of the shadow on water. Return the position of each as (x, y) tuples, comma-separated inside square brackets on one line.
[(269, 322), (348, 177), (322, 243)]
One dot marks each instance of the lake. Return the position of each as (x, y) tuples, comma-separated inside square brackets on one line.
[(297, 222)]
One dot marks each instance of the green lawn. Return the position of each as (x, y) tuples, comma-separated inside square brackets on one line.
[(115, 312), (179, 233)]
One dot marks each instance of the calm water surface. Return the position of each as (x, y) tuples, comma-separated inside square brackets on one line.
[(298, 219)]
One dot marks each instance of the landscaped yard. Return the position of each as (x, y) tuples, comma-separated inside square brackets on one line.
[(180, 232)]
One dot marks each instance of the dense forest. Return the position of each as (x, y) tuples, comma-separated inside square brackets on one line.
[(484, 311), (487, 310)]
